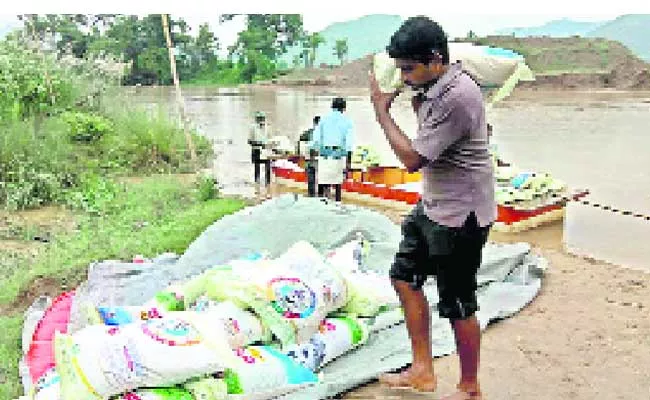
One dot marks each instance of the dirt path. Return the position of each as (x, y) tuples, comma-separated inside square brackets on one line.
[(585, 336)]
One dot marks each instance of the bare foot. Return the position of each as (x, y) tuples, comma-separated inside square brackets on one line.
[(465, 393), (410, 379)]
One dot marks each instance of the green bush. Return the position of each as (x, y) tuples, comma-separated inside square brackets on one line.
[(31, 83), (150, 141), (93, 194), (66, 132), (28, 188), (206, 188), (86, 127), (33, 170)]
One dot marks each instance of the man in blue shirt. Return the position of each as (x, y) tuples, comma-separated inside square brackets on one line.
[(334, 141)]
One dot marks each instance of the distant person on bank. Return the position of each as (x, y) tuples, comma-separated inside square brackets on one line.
[(258, 138), (333, 142)]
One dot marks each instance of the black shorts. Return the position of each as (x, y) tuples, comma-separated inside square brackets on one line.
[(451, 254), (256, 154)]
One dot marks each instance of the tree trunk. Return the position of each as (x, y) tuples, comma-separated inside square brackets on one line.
[(179, 97)]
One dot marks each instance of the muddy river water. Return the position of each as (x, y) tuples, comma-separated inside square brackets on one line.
[(595, 140)]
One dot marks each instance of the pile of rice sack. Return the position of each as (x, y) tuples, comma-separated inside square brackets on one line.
[(514, 186), (251, 329), (365, 156)]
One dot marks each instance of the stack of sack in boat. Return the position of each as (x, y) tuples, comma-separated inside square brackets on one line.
[(365, 156), (526, 189), (252, 329)]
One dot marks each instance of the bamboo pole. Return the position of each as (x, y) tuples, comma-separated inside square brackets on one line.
[(179, 97)]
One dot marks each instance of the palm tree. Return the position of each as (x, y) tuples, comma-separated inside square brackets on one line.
[(313, 41), (341, 49)]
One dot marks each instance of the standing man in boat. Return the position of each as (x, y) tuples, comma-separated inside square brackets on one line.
[(445, 233), (334, 141), (257, 139)]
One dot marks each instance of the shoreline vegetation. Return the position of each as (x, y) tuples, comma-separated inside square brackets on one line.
[(86, 175)]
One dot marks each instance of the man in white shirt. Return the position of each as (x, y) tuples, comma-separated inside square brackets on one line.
[(258, 138)]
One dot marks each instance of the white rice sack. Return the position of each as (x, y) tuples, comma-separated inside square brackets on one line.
[(386, 72), (369, 293), (343, 259), (202, 303), (336, 337), (309, 263), (262, 372), (242, 327), (48, 386), (349, 257), (101, 361), (299, 289), (219, 284)]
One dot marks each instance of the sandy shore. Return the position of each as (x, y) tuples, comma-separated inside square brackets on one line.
[(585, 336)]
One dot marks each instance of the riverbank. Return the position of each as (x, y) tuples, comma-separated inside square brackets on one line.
[(592, 309)]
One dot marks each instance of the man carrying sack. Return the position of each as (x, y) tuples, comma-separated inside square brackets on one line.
[(445, 233)]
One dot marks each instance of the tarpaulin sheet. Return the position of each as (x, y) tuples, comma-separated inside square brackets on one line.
[(509, 278)]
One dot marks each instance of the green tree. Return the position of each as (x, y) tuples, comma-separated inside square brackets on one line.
[(206, 45), (311, 43), (270, 34), (341, 49), (265, 38), (141, 42), (67, 32)]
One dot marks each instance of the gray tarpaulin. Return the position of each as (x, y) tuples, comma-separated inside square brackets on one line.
[(509, 278)]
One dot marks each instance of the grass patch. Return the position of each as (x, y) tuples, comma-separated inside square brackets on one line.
[(50, 166), (10, 353), (156, 215)]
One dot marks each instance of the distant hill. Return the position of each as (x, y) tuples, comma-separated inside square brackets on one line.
[(631, 30), (557, 28), (371, 34), (365, 35), (546, 55), (558, 63)]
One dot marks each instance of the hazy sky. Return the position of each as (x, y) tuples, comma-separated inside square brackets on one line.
[(483, 17)]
